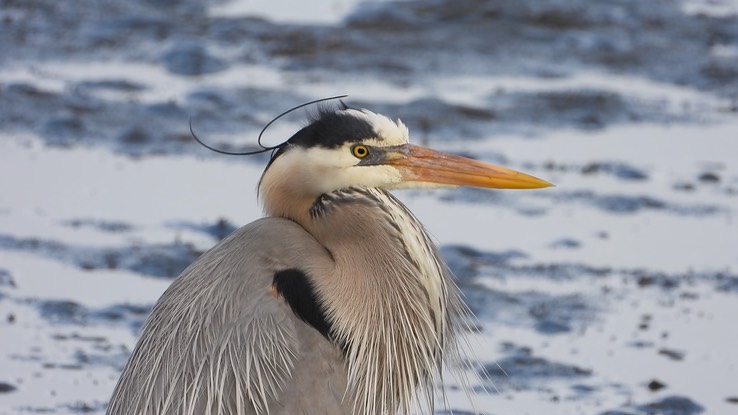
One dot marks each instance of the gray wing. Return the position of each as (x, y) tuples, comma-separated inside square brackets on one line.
[(216, 342)]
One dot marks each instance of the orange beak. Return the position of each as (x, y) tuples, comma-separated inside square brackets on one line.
[(420, 164)]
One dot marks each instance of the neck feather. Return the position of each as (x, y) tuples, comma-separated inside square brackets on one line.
[(390, 300)]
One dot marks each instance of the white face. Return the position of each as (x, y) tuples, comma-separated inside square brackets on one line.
[(317, 170)]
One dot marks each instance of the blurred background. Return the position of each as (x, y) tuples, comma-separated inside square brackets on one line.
[(614, 293)]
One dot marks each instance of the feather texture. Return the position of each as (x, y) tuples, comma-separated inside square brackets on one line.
[(392, 307), (217, 343)]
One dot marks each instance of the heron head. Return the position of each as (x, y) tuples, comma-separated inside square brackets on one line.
[(359, 148)]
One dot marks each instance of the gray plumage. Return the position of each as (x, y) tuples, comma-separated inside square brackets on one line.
[(217, 342), (224, 340)]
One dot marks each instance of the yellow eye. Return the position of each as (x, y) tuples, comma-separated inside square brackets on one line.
[(360, 151)]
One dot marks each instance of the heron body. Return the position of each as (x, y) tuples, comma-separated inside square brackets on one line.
[(337, 302)]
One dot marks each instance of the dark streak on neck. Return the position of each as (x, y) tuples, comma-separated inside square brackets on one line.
[(297, 290)]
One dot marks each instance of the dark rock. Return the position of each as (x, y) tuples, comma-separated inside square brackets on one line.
[(672, 354), (585, 389), (684, 187), (672, 405), (661, 280), (628, 204), (619, 170), (709, 178), (640, 344), (6, 387), (655, 385), (566, 243)]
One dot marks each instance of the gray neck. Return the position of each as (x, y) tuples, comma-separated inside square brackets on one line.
[(389, 300)]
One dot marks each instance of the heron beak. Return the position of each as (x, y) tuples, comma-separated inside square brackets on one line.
[(420, 164)]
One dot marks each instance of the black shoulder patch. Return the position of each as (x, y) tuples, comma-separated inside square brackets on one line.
[(298, 291), (331, 129)]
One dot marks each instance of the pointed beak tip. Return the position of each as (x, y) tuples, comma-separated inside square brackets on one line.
[(531, 186), (543, 184), (526, 182)]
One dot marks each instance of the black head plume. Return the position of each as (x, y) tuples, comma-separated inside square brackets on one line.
[(258, 141)]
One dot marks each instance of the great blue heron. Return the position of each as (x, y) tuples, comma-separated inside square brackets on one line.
[(337, 302)]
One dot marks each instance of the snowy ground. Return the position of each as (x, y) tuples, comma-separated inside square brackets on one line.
[(615, 292)]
